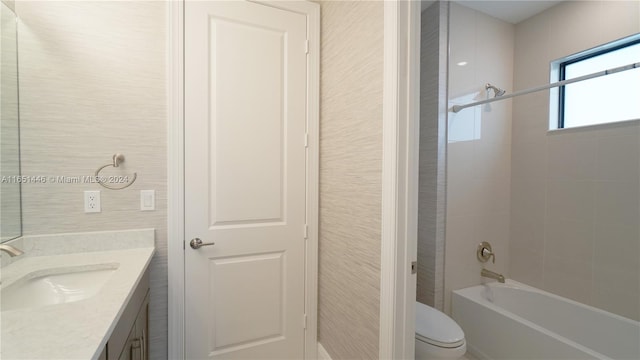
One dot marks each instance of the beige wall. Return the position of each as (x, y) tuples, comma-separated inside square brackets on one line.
[(92, 78), (433, 141), (575, 193), (479, 149), (350, 178), (10, 224)]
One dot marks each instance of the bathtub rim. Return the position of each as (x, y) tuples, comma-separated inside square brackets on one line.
[(475, 295), (513, 284)]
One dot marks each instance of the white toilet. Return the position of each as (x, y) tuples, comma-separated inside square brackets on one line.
[(437, 335)]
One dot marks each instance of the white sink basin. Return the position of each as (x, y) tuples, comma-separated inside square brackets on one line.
[(56, 286)]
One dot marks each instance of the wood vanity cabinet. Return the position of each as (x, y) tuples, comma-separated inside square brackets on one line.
[(130, 337), (137, 345)]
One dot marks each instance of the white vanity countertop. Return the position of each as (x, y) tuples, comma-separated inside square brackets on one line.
[(75, 330)]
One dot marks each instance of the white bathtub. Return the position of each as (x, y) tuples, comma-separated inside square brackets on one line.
[(516, 321)]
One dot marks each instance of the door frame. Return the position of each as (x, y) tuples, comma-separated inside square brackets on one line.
[(400, 168), (176, 162)]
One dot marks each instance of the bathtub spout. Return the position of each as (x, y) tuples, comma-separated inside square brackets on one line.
[(492, 275)]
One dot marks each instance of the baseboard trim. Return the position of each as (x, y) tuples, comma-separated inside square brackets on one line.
[(322, 353)]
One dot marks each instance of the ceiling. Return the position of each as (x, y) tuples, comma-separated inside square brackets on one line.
[(512, 11)]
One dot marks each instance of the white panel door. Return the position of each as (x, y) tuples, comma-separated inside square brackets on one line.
[(245, 182)]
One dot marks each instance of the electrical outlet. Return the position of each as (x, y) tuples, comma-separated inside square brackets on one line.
[(92, 201)]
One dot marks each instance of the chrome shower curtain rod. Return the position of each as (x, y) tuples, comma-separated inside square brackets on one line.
[(457, 108)]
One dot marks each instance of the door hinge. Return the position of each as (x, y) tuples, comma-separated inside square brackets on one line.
[(306, 140), (183, 241), (304, 321), (306, 231), (306, 46)]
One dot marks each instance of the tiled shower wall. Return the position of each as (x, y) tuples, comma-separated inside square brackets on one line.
[(433, 142), (479, 149), (575, 193)]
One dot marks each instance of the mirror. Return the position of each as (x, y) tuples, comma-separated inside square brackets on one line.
[(10, 190)]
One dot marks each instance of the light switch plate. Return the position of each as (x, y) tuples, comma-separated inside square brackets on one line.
[(147, 200)]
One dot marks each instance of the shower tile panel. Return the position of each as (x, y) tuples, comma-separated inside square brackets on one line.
[(575, 208)]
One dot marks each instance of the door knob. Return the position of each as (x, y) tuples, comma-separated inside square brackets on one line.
[(197, 243)]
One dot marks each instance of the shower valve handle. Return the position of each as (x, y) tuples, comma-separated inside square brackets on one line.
[(485, 253)]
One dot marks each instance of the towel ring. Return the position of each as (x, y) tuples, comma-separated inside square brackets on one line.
[(117, 160)]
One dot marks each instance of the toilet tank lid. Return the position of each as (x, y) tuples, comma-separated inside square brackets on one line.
[(436, 325)]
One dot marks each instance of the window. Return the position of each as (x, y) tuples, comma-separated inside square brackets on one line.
[(601, 100)]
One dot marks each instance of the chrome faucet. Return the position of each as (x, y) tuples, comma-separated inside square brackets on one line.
[(12, 251), (492, 275)]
